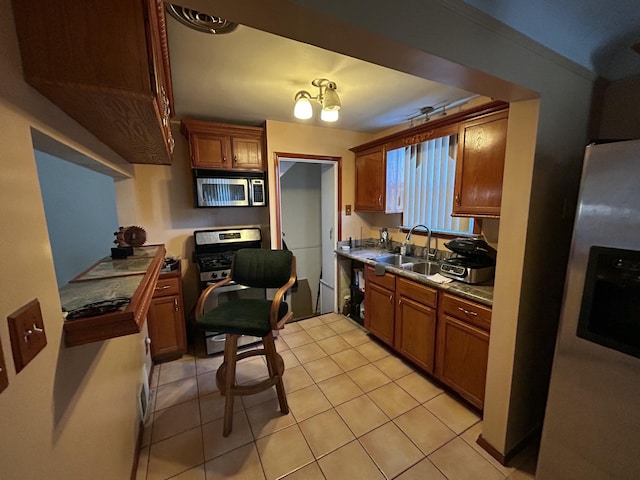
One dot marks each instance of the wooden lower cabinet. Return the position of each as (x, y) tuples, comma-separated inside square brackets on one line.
[(415, 323), (445, 335), (166, 319), (379, 303), (463, 347)]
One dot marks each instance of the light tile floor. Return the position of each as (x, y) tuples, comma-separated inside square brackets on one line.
[(356, 412)]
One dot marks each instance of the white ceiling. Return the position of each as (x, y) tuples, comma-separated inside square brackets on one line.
[(248, 76)]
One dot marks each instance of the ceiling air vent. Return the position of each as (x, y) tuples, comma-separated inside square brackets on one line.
[(202, 22)]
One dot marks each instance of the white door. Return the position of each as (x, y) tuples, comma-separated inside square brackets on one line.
[(329, 180)]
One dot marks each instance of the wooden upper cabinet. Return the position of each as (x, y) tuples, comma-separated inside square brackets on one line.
[(106, 64), (370, 180), (480, 166), (222, 146)]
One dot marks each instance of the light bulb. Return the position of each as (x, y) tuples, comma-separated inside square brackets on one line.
[(329, 115), (302, 109)]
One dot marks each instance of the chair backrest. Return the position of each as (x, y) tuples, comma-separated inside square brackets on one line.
[(261, 268)]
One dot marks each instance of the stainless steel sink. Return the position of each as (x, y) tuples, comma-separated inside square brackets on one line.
[(414, 264), (397, 260), (426, 268)]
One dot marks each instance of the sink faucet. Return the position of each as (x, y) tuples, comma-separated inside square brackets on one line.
[(429, 254)]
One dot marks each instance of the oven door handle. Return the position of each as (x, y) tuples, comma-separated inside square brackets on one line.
[(209, 291)]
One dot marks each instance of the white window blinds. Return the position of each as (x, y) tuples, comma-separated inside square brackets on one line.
[(429, 178)]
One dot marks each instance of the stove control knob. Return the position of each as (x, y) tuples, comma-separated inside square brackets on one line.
[(224, 274), (214, 275)]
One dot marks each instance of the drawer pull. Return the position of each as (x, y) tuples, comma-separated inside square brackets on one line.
[(164, 287), (468, 312)]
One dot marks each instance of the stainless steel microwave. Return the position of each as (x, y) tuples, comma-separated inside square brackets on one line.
[(228, 191)]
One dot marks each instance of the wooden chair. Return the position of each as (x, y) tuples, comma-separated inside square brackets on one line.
[(258, 268)]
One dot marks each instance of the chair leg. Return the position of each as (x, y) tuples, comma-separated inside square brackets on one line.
[(230, 351), (274, 369)]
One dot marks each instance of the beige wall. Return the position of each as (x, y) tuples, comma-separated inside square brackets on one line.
[(160, 199), (307, 140), (72, 412)]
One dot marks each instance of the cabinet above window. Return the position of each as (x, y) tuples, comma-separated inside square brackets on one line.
[(481, 132), (222, 146)]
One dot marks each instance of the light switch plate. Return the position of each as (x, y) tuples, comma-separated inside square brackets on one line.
[(347, 209), (4, 379), (27, 335)]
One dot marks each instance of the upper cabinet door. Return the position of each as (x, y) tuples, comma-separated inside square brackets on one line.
[(480, 166), (209, 150), (247, 153), (370, 180)]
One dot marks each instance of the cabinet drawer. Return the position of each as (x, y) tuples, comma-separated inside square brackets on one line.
[(415, 291), (387, 280), (167, 286), (466, 310)]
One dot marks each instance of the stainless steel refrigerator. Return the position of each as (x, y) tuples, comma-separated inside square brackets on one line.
[(591, 427)]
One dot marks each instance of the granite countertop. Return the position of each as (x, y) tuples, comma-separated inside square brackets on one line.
[(108, 279), (482, 294)]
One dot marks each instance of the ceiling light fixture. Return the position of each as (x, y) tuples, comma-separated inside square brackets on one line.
[(327, 97)]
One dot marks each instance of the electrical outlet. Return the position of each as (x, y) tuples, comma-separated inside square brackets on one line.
[(347, 209), (27, 335), (4, 379)]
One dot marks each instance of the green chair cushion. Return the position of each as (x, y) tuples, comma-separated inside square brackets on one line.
[(241, 317), (262, 268)]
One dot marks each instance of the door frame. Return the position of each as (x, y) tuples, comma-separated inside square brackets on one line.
[(281, 156)]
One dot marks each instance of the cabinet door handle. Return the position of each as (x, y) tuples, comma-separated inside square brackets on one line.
[(175, 303), (468, 312), (391, 299), (457, 200), (380, 200)]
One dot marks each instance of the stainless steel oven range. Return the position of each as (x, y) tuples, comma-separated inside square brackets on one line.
[(213, 254)]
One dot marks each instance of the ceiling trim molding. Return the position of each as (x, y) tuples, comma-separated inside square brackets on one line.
[(496, 26)]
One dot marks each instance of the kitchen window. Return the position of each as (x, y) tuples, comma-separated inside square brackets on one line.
[(429, 170)]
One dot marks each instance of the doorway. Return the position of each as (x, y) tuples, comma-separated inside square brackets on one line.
[(308, 224)]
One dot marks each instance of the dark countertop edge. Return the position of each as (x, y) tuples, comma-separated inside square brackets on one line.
[(483, 294)]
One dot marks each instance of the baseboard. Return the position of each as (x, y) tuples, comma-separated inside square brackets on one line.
[(506, 458), (491, 450)]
